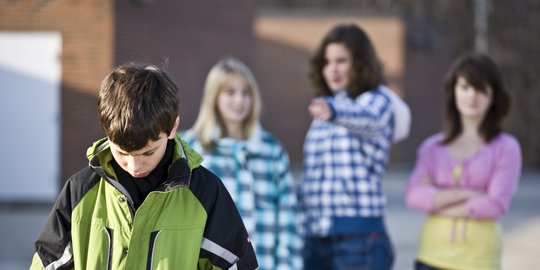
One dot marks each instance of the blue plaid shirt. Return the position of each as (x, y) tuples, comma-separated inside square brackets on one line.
[(256, 174), (345, 159)]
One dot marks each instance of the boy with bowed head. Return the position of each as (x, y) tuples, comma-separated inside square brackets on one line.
[(144, 201)]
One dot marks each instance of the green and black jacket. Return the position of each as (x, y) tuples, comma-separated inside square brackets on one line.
[(188, 222)]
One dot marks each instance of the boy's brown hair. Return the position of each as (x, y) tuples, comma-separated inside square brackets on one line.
[(136, 103)]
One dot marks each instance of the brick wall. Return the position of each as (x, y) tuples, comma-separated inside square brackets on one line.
[(191, 36), (187, 37), (87, 38)]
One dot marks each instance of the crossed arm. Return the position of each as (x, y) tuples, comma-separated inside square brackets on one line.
[(488, 203), (452, 202)]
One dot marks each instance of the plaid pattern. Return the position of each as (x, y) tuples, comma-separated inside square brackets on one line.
[(344, 162), (256, 174)]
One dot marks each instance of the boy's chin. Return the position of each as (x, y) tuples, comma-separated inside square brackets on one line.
[(139, 175)]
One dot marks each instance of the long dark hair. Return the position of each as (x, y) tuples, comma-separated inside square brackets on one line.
[(481, 72), (367, 70)]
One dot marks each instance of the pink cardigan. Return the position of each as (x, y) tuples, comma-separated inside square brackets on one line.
[(494, 169)]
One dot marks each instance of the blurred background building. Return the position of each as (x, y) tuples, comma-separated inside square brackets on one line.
[(54, 53)]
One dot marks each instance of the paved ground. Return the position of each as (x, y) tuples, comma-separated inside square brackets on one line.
[(20, 225)]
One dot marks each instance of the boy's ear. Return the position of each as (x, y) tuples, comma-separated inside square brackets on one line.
[(175, 127)]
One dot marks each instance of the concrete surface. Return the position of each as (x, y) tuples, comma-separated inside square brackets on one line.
[(20, 224)]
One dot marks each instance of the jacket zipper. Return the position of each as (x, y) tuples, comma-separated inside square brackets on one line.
[(152, 245)]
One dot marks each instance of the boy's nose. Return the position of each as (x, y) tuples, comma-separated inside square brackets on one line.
[(134, 164)]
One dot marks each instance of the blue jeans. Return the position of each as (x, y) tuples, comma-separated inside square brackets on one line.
[(363, 251)]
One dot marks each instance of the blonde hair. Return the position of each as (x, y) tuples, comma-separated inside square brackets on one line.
[(220, 76)]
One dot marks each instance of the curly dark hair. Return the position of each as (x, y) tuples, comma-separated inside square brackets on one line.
[(367, 70)]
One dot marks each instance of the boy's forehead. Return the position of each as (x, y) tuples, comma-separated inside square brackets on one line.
[(151, 145)]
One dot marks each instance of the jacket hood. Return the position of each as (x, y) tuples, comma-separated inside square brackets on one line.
[(100, 156)]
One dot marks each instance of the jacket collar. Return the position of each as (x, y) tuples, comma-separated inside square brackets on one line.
[(185, 160)]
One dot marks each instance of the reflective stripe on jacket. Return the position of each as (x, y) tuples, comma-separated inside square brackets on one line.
[(188, 222)]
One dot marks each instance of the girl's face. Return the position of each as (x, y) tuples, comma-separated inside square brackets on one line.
[(234, 100), (470, 102), (338, 67)]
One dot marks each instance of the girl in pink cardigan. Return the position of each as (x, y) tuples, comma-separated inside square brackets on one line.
[(465, 178)]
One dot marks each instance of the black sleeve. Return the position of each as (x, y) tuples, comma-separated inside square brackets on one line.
[(226, 242), (53, 246)]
